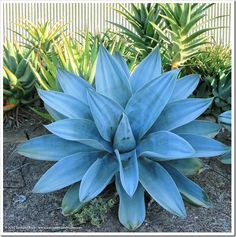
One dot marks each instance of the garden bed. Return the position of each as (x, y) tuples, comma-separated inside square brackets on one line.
[(25, 211)]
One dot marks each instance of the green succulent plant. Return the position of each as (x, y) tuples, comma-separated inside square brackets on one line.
[(225, 120), (128, 129), (18, 80), (95, 213), (113, 42), (172, 26), (186, 38), (218, 86), (40, 36), (144, 37), (216, 58), (222, 91), (214, 66), (76, 57)]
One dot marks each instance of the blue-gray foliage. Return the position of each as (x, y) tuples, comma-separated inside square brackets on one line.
[(225, 120), (139, 131)]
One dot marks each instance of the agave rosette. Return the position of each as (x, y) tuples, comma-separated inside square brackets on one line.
[(129, 129)]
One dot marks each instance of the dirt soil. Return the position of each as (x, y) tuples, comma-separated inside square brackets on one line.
[(25, 211)]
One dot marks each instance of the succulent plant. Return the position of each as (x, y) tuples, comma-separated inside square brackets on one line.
[(144, 37), (41, 35), (222, 91), (174, 27), (129, 129), (225, 120), (18, 80), (76, 57), (214, 66), (186, 39)]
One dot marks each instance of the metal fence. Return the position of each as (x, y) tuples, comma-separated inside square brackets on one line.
[(96, 16)]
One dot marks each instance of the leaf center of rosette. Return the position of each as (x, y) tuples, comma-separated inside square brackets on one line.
[(124, 140)]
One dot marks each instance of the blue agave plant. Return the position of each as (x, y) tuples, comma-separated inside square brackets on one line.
[(129, 129), (225, 120)]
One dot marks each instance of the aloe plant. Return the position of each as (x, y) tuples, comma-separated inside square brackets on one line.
[(76, 57), (40, 36), (185, 37), (128, 129), (143, 37), (18, 80), (173, 27), (69, 55), (113, 42)]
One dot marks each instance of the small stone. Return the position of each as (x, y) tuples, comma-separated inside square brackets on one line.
[(19, 199)]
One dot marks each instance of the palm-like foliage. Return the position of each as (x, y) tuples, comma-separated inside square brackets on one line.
[(129, 127), (18, 79)]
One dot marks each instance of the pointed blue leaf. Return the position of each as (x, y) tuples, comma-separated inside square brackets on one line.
[(180, 113), (129, 173), (163, 146), (131, 210), (65, 104), (73, 85), (66, 171), (51, 148), (106, 114), (80, 130), (205, 147), (184, 87), (54, 114), (71, 203), (146, 105), (124, 139), (111, 80), (159, 184), (225, 117), (147, 70), (97, 177), (188, 188), (226, 158), (188, 167), (199, 127), (121, 61)]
